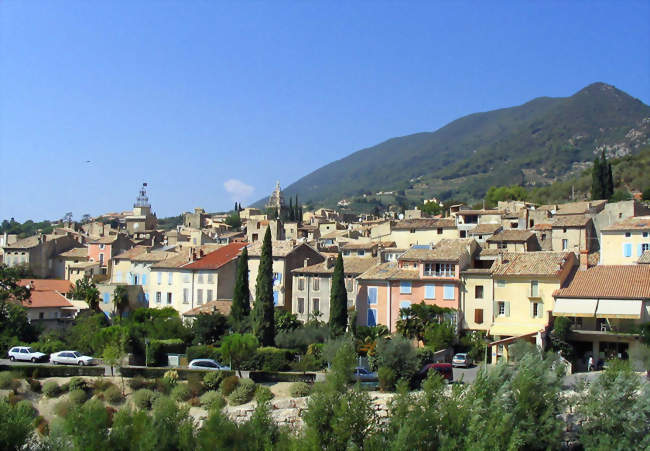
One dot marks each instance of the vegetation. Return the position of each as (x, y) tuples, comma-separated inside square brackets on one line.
[(86, 290), (236, 348), (338, 300), (415, 320), (602, 180), (398, 354), (241, 307), (263, 311), (299, 389), (243, 393), (26, 229)]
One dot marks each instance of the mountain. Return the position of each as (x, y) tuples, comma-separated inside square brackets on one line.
[(534, 144)]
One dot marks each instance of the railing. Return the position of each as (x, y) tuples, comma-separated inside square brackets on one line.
[(439, 273)]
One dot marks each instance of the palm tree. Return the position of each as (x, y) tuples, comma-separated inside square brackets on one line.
[(120, 299)]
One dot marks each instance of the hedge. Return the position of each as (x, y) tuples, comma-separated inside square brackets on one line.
[(157, 350), (269, 359), (202, 352), (274, 376), (155, 373), (54, 370)]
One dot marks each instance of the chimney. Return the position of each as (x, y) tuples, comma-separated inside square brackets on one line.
[(201, 253), (500, 258), (584, 260), (306, 263), (330, 262)]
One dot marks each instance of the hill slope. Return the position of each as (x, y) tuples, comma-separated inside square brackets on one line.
[(533, 144)]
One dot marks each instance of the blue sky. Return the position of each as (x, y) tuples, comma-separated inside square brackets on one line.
[(206, 99)]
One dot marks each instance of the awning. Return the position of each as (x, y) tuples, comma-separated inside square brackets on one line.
[(619, 308), (575, 307), (514, 330)]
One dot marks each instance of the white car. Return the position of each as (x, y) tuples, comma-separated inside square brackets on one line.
[(71, 358), (207, 364), (25, 353)]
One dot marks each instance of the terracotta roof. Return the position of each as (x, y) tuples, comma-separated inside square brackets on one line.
[(351, 266), (155, 256), (486, 252), (362, 246), (180, 258), (571, 221), (62, 286), (445, 250), (280, 248), (634, 223), (84, 264), (334, 234), (484, 229), (479, 212), (510, 236), (221, 306), (609, 281), (31, 241), (543, 227), (539, 263), (104, 240), (419, 223), (77, 252), (573, 208), (645, 258), (219, 257), (390, 271), (128, 255), (43, 299)]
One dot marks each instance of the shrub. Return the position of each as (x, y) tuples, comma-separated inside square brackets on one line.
[(243, 393), (27, 370), (62, 408), (171, 377), (387, 378), (40, 423), (100, 384), (34, 385), (195, 384), (163, 385), (212, 380), (113, 394), (212, 400), (229, 384), (299, 389), (271, 376), (76, 383), (158, 349), (424, 356), (51, 389), (181, 392), (398, 354), (154, 373), (78, 396), (138, 382), (302, 337), (263, 394), (144, 398), (8, 381), (27, 407)]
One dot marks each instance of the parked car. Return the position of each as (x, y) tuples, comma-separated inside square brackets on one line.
[(71, 358), (461, 360), (444, 369), (207, 364), (25, 353), (362, 374)]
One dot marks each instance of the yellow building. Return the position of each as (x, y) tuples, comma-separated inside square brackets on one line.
[(477, 299), (625, 242), (421, 231)]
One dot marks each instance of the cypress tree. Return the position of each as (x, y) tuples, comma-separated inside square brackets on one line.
[(596, 181), (338, 300), (241, 307), (263, 310), (610, 181), (291, 211)]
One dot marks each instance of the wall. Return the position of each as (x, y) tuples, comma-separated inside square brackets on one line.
[(611, 252), (469, 303), (362, 302), (579, 239), (404, 239)]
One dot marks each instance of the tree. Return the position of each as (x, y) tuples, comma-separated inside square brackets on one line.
[(237, 347), (338, 300), (263, 311), (14, 324), (292, 213), (15, 425), (610, 181), (209, 328), (234, 220), (120, 299), (415, 319), (241, 307), (646, 194), (397, 353), (597, 189), (286, 321), (85, 289)]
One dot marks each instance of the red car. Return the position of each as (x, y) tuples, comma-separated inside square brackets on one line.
[(444, 369)]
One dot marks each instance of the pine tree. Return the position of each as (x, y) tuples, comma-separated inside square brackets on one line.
[(338, 300), (241, 307), (596, 181), (263, 310)]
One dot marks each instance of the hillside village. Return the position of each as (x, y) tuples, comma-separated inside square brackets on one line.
[(506, 272)]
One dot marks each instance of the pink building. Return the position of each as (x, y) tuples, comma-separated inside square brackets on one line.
[(102, 250), (422, 274)]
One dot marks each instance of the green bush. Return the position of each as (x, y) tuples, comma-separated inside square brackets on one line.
[(271, 376), (77, 383), (181, 392), (213, 379), (398, 354), (243, 393), (54, 370), (7, 380), (302, 337), (263, 394), (144, 398), (157, 350), (62, 408), (387, 378), (100, 384), (113, 394), (228, 385), (34, 385), (51, 389), (202, 352), (212, 400), (268, 359), (163, 385), (27, 407), (299, 389), (138, 382), (78, 396), (195, 384), (154, 373)]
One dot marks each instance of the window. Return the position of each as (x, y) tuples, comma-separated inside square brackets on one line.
[(210, 278), (301, 283), (346, 252), (135, 279), (478, 316), (428, 269), (200, 278), (501, 308), (404, 305), (534, 288), (449, 292), (348, 284), (543, 236), (627, 250), (502, 245), (372, 295), (275, 298), (186, 295), (405, 287), (102, 246), (501, 283), (107, 298), (361, 253), (277, 278), (536, 309), (170, 277), (372, 317), (565, 244), (41, 315), (532, 223), (301, 305), (429, 291), (169, 298), (101, 259), (564, 230), (316, 283), (644, 247), (412, 230), (645, 234), (463, 234), (478, 292), (316, 302), (144, 279), (158, 297), (118, 277), (439, 231), (186, 277), (628, 234), (159, 278), (199, 296)]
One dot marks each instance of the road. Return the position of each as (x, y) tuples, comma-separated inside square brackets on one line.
[(107, 369)]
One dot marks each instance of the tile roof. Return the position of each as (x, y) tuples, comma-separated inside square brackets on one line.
[(543, 227), (484, 229), (645, 258), (609, 281), (362, 246), (104, 240), (154, 256), (539, 263), (44, 299), (134, 251), (32, 241), (280, 248), (77, 252), (510, 236), (221, 306), (419, 223), (62, 286), (445, 250), (633, 223), (571, 221), (390, 271), (480, 212), (216, 259), (351, 266), (573, 208)]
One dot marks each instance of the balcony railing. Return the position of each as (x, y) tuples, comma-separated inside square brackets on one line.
[(439, 273)]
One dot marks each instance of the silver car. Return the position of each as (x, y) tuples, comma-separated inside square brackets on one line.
[(25, 353), (461, 360), (207, 364), (71, 358)]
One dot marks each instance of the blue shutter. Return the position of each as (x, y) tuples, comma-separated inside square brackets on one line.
[(449, 292), (627, 250), (130, 279), (146, 299), (640, 250), (107, 298), (279, 277), (144, 279), (372, 295), (275, 298), (159, 274), (429, 291), (372, 317), (405, 287)]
